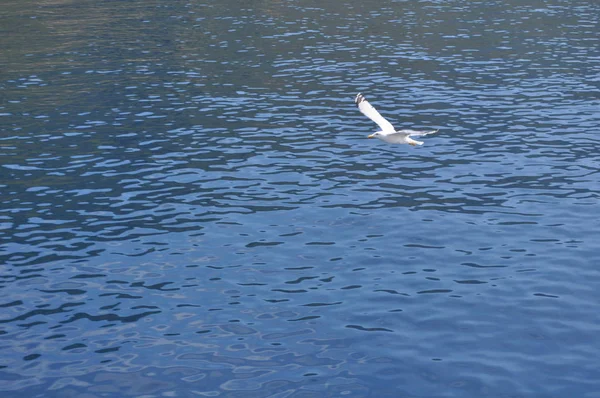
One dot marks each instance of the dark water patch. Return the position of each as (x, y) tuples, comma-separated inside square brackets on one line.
[(366, 329)]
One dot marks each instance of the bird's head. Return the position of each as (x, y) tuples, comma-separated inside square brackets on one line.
[(374, 135)]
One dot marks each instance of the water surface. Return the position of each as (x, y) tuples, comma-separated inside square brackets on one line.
[(190, 206)]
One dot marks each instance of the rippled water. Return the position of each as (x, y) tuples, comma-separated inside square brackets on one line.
[(190, 207)]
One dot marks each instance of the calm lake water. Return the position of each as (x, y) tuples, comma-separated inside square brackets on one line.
[(190, 207)]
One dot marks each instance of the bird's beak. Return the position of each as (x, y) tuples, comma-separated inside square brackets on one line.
[(371, 136)]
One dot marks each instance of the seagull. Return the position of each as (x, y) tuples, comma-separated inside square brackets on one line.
[(388, 133)]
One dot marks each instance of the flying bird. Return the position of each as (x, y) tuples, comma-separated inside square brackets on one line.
[(388, 133)]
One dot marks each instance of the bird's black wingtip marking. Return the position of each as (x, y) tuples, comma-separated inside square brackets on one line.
[(359, 98)]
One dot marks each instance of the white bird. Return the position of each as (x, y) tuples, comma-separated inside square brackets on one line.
[(388, 133)]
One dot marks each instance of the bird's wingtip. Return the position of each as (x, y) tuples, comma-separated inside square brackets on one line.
[(359, 98)]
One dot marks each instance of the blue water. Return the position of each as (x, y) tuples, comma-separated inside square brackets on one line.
[(190, 207)]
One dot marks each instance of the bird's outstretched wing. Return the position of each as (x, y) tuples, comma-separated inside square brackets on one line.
[(418, 132), (370, 112)]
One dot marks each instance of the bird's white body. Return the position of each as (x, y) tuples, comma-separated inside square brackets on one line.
[(388, 133)]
